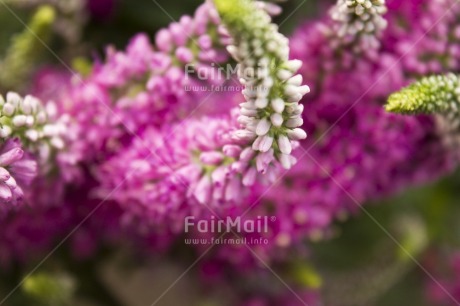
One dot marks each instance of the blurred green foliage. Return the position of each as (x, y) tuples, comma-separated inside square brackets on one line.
[(49, 289), (25, 49), (150, 15), (389, 242)]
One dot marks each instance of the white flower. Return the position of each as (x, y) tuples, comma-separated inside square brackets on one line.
[(272, 92), (41, 132), (360, 21)]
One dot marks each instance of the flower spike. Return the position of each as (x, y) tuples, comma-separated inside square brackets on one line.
[(34, 124), (437, 94), (434, 94), (271, 115), (360, 22)]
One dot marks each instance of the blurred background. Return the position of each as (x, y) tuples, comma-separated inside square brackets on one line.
[(364, 262)]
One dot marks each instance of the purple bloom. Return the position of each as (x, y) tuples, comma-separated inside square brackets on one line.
[(361, 152), (203, 166), (173, 169), (166, 174), (17, 171), (141, 87), (433, 26)]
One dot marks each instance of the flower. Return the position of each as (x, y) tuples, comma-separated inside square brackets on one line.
[(143, 86), (35, 125), (194, 40), (214, 174), (207, 166), (425, 35), (437, 94), (359, 23), (17, 171), (271, 115), (50, 83), (349, 161), (433, 94), (183, 168), (214, 164)]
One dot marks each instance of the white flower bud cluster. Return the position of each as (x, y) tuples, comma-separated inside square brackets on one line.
[(27, 119), (271, 115), (445, 103), (360, 21)]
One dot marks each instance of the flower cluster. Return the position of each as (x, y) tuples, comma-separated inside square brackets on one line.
[(17, 171), (271, 114), (359, 23), (29, 233), (190, 40), (212, 169), (33, 138), (160, 177), (433, 94), (348, 162), (131, 127), (165, 172), (437, 94), (34, 124), (424, 35), (143, 86)]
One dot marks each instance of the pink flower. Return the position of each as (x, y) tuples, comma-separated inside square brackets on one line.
[(17, 171)]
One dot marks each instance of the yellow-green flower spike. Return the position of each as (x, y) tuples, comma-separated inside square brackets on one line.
[(435, 94)]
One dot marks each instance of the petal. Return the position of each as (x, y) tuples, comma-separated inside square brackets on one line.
[(11, 156), (5, 193)]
